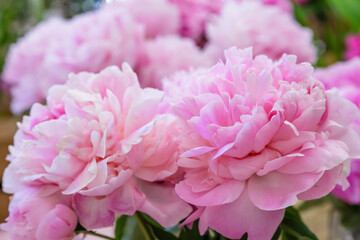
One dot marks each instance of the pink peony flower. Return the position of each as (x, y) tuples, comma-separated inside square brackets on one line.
[(346, 77), (267, 29), (259, 135), (159, 17), (41, 218), (101, 140), (352, 46), (165, 55), (54, 49)]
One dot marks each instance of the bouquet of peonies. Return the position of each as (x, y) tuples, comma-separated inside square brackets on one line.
[(184, 119)]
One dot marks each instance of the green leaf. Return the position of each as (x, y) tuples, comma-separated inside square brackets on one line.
[(159, 232), (150, 220), (120, 227), (349, 10), (294, 228), (162, 234), (192, 233)]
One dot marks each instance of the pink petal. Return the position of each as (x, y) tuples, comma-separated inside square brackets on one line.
[(242, 169), (126, 200), (277, 191), (163, 204), (223, 193), (324, 185), (83, 179), (107, 188), (93, 212), (234, 219)]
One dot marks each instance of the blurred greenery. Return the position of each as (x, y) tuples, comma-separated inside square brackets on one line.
[(331, 21)]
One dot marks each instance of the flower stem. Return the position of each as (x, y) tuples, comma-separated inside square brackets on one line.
[(146, 231), (94, 234)]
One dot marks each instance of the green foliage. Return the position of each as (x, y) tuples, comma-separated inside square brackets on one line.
[(12, 19), (192, 233), (120, 227), (293, 228), (347, 10)]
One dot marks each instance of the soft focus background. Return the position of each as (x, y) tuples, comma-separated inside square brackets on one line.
[(331, 20)]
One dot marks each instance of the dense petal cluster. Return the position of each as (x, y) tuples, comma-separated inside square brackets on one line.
[(259, 135), (100, 141), (56, 48), (165, 55), (346, 77), (267, 29), (352, 46)]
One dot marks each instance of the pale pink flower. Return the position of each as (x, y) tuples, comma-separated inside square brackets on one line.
[(165, 55), (100, 138), (49, 53), (159, 17), (259, 135), (41, 218), (267, 29), (352, 46), (345, 76)]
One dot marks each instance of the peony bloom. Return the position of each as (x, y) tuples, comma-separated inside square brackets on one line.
[(41, 218), (159, 17), (100, 140), (352, 46), (54, 49), (346, 77), (269, 30), (165, 55), (258, 135)]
